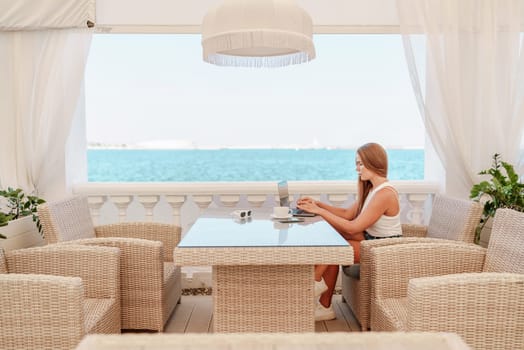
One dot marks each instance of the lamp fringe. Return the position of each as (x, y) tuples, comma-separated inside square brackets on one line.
[(216, 49), (258, 62)]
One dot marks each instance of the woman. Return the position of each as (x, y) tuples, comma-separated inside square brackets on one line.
[(375, 214)]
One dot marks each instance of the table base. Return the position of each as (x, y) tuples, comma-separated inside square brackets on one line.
[(267, 298)]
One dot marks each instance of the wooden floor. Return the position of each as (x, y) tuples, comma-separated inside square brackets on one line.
[(195, 315)]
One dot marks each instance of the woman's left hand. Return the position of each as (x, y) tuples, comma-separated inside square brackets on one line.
[(309, 206)]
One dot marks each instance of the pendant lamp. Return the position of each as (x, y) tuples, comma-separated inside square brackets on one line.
[(257, 33)]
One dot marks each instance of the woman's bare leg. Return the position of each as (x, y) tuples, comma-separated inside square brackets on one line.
[(319, 271), (330, 272), (330, 277), (356, 250)]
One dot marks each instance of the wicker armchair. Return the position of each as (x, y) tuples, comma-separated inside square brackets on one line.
[(150, 283), (475, 292), (52, 296), (451, 218)]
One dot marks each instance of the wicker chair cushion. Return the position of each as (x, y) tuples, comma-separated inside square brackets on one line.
[(75, 219), (506, 245), (448, 218), (352, 271), (396, 310), (95, 311)]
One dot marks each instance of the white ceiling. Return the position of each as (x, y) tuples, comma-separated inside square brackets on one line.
[(185, 16)]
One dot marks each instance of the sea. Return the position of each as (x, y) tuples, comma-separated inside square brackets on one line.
[(235, 165)]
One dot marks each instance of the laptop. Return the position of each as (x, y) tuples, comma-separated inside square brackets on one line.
[(283, 193)]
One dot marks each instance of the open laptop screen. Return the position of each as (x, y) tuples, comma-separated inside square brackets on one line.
[(283, 193)]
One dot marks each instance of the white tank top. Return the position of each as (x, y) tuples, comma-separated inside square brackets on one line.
[(385, 226)]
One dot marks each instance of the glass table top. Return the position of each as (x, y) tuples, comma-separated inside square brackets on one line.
[(260, 231)]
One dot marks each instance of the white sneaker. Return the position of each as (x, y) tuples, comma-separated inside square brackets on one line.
[(320, 287), (324, 313)]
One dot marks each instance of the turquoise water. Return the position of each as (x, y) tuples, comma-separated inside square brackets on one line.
[(108, 165)]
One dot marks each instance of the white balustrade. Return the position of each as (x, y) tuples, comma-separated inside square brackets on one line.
[(179, 198), (338, 199), (416, 214), (230, 201), (176, 203), (315, 196), (149, 203), (256, 200), (95, 203), (203, 201), (122, 203)]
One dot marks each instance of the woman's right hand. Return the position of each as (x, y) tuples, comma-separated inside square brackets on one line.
[(305, 200), (310, 205)]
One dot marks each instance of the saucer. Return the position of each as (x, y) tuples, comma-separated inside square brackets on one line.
[(281, 217)]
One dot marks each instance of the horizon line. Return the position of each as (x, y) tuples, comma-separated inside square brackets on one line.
[(210, 148)]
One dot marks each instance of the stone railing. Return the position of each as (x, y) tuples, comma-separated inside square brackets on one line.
[(181, 202)]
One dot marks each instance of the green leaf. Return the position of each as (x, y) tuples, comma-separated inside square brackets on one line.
[(18, 204), (503, 188)]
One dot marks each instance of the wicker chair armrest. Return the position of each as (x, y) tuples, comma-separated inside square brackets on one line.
[(134, 251), (98, 267), (169, 235), (365, 256), (141, 263), (40, 311), (413, 230), (367, 245), (481, 307), (394, 265)]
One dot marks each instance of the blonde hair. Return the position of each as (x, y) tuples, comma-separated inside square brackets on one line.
[(374, 158)]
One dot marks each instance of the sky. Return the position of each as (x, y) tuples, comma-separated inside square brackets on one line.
[(155, 90)]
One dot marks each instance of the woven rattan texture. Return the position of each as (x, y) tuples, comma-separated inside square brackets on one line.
[(43, 307), (147, 301), (89, 263), (3, 263), (391, 314), (358, 292), (66, 220), (142, 281), (169, 235), (451, 218), (351, 288), (29, 320), (395, 265), (506, 245), (454, 219), (278, 341), (172, 289), (485, 308), (273, 298), (263, 256)]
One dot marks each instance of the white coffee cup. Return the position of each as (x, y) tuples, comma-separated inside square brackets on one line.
[(281, 212)]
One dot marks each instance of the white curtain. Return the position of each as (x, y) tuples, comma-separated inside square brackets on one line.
[(469, 82), (41, 75), (45, 14)]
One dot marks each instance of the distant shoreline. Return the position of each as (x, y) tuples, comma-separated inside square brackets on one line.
[(139, 148)]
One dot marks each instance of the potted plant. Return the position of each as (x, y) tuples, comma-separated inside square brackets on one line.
[(15, 204), (502, 190)]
